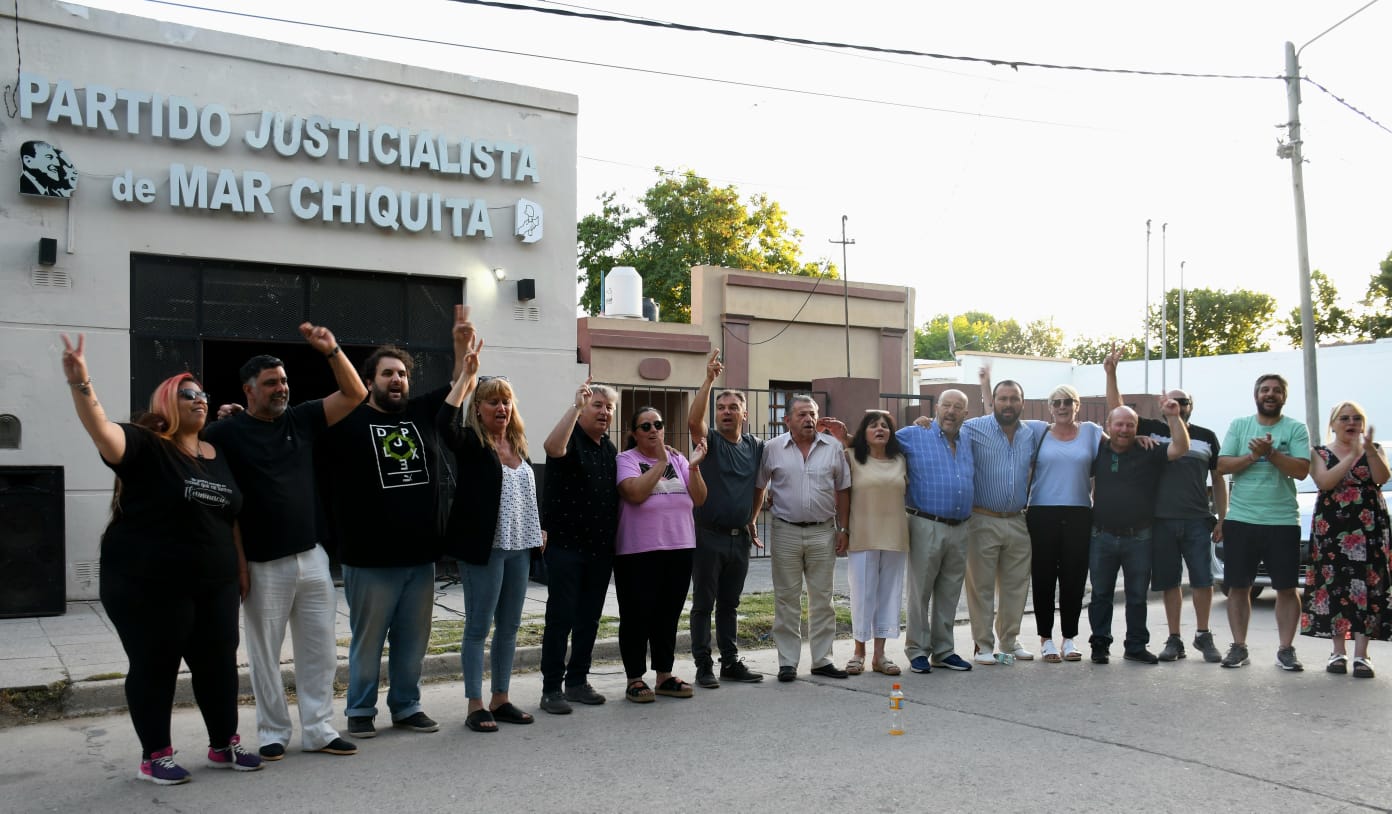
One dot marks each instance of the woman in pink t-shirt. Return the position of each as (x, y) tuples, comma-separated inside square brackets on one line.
[(652, 562)]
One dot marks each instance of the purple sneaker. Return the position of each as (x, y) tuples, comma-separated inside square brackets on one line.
[(161, 769), (233, 756)]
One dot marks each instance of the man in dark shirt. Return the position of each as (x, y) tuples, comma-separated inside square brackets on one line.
[(1125, 478), (1185, 524), (381, 467), (725, 528), (269, 447), (580, 516)]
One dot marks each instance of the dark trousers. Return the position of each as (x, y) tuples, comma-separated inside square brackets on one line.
[(577, 583), (1059, 543), (1130, 555), (718, 569), (161, 623), (651, 588)]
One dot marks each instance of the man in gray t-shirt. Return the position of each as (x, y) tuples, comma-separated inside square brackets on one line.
[(725, 528)]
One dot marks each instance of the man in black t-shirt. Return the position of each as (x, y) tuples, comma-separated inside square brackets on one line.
[(381, 470), (580, 516), (725, 528), (1125, 479), (269, 447), (1185, 525)]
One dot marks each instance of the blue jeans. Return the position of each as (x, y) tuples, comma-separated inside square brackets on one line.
[(576, 586), (1131, 555), (387, 605), (493, 596)]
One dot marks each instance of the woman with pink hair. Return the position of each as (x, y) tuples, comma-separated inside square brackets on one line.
[(172, 574)]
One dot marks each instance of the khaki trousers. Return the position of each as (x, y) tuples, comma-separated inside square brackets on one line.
[(998, 559), (937, 566), (799, 552)]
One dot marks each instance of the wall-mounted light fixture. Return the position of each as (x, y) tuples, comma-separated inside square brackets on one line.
[(526, 289), (500, 274)]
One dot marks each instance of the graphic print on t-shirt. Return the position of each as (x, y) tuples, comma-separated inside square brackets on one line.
[(400, 454), (208, 493), (670, 483)]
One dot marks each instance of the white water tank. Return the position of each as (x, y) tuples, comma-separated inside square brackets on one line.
[(623, 293)]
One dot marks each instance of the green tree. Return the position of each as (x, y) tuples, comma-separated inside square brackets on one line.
[(1089, 351), (1376, 323), (684, 221), (978, 330), (1215, 322), (1332, 322)]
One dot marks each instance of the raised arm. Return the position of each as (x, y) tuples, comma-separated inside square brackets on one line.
[(463, 335), (1179, 433), (1110, 366), (109, 438), (696, 484), (468, 376), (984, 376), (559, 438), (351, 390), (696, 419)]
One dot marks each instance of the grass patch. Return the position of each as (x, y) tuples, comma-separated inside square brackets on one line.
[(104, 676), (32, 704), (754, 628)]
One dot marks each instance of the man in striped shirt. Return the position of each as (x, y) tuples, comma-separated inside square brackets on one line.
[(998, 545)]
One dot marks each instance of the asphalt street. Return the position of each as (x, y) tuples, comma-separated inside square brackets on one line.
[(1032, 736)]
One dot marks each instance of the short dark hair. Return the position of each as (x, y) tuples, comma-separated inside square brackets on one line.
[(1285, 385), (368, 371), (1010, 382), (255, 365)]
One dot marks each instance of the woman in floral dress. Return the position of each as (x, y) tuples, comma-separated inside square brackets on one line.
[(1346, 587)]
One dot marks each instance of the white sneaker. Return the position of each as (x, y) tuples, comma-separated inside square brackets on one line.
[(1050, 653), (984, 658), (1021, 654)]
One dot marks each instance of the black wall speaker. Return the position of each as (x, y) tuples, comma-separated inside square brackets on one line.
[(526, 289), (48, 251), (33, 556)]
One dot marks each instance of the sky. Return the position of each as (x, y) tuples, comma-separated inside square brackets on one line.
[(1023, 192)]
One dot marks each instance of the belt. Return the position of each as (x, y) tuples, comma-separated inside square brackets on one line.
[(989, 513), (803, 525), (1122, 531), (731, 531), (926, 516)]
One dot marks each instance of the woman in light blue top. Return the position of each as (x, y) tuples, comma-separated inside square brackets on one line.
[(1060, 520)]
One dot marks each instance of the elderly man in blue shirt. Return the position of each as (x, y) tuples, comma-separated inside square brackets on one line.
[(939, 503), (998, 546)]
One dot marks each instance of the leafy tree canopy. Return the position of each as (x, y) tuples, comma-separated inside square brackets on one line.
[(1332, 321), (1215, 322), (978, 330), (684, 221)]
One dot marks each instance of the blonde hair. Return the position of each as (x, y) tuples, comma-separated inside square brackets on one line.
[(1066, 391), (1339, 408), (494, 388)]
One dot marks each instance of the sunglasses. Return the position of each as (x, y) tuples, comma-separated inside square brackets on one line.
[(189, 394), (651, 425), (1063, 402), (1183, 402)]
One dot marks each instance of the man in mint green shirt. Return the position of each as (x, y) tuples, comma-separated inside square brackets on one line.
[(1266, 454)]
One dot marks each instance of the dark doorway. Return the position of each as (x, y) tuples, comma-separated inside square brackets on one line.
[(309, 372)]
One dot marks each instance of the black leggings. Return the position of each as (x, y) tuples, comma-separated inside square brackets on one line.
[(651, 588), (1059, 540), (162, 622)]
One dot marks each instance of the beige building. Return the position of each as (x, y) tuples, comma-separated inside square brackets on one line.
[(778, 335)]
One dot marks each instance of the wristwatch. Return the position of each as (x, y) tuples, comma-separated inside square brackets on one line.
[(842, 530)]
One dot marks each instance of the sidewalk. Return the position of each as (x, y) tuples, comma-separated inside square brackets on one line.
[(62, 666)]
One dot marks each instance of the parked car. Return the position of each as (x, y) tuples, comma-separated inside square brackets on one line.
[(1306, 493)]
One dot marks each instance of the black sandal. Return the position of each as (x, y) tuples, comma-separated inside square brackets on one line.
[(509, 714), (479, 719), (640, 693), (674, 687)]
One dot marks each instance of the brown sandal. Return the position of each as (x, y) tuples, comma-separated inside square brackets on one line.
[(855, 666), (887, 667)]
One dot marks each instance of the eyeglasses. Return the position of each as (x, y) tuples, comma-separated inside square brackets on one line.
[(1183, 402), (1063, 402), (189, 394), (651, 425)]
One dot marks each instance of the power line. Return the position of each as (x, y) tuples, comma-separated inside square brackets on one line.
[(1341, 100), (1014, 64)]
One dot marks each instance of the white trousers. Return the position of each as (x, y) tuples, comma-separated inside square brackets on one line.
[(877, 593), (296, 590)]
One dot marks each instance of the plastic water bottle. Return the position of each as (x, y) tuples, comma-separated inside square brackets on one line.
[(896, 707), (1005, 658)]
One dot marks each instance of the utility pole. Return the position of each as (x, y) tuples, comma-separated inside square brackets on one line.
[(1164, 312), (1145, 321), (845, 291), (1292, 150)]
